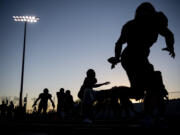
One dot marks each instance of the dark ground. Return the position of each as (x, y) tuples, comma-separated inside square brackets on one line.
[(50, 127), (50, 124)]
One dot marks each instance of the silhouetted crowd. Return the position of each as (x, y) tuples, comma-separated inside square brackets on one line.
[(103, 108), (7, 110)]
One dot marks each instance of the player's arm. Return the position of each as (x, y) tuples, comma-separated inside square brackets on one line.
[(52, 102), (36, 101), (101, 84), (120, 42), (169, 38), (166, 33), (118, 47)]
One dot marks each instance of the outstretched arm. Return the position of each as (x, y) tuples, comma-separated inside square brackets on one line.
[(169, 38), (101, 84)]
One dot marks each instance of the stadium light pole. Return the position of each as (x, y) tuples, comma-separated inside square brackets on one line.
[(25, 19)]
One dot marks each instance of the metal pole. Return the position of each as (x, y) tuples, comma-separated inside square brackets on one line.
[(22, 71)]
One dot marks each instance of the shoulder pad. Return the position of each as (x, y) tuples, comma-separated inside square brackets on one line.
[(162, 19)]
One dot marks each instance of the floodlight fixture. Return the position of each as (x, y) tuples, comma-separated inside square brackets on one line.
[(31, 19)]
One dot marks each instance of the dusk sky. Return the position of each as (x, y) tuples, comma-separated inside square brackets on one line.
[(71, 37)]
